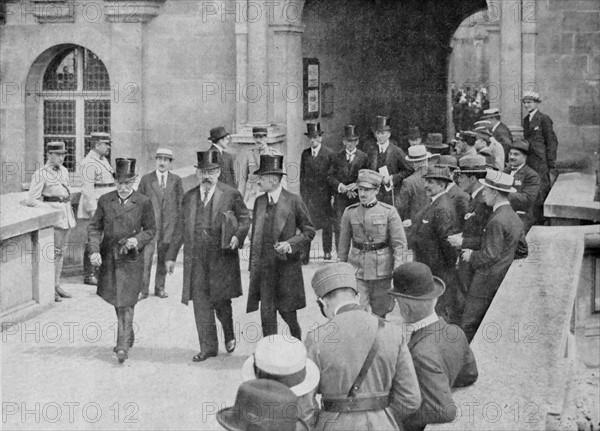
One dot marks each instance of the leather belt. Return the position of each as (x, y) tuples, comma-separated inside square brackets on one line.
[(56, 199), (99, 186), (365, 246), (356, 404)]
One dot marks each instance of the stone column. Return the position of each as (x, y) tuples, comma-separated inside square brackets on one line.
[(255, 91), (529, 32), (494, 92)]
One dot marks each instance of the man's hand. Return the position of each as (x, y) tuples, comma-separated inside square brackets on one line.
[(170, 265), (466, 254), (351, 194), (352, 187), (234, 243), (96, 259), (131, 243), (283, 247), (407, 223), (456, 240), (342, 188)]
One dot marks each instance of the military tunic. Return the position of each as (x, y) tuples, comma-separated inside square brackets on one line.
[(98, 180)]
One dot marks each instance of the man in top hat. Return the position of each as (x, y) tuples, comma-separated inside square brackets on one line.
[(165, 190), (539, 132), (373, 240), (460, 199), (281, 231), (315, 164), (527, 182), (430, 239), (496, 253), (389, 160), (211, 263), (249, 163), (343, 175), (367, 374), (221, 139), (98, 180), (488, 147), (284, 359), (442, 361), (123, 224), (50, 187), (435, 144), (500, 131)]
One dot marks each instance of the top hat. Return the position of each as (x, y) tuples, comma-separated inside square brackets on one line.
[(448, 162), (531, 95), (217, 133), (416, 153), (499, 181), (369, 179), (124, 169), (270, 164), (472, 164), (208, 159), (277, 358), (259, 131), (350, 133), (435, 140), (335, 276), (56, 147), (437, 172), (313, 130), (262, 405), (490, 113), (102, 137), (520, 144), (414, 280), (164, 152), (382, 124), (414, 133)]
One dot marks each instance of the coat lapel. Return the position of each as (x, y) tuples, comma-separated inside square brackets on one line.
[(216, 204), (129, 205), (191, 215), (281, 213), (156, 186)]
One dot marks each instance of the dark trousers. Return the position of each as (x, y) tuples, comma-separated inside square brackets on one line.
[(268, 319), (473, 314), (204, 313), (450, 305), (327, 243), (124, 327), (161, 270)]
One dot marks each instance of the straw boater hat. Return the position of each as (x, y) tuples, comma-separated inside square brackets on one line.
[(414, 280), (416, 153), (278, 358), (532, 95), (499, 181), (101, 137), (164, 152), (490, 113), (56, 147)]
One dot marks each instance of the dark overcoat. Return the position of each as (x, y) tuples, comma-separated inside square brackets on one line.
[(543, 145), (227, 163), (166, 203), (398, 168), (477, 216), (460, 199), (527, 183), (224, 280), (120, 277), (342, 172), (314, 187), (291, 215), (412, 198)]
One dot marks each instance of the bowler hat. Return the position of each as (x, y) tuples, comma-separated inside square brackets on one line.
[(259, 131), (532, 95), (499, 181), (350, 133), (437, 172), (435, 140), (164, 152), (490, 113), (313, 130), (262, 405), (369, 179), (414, 280), (102, 137), (472, 164), (414, 133), (520, 144), (285, 361), (56, 147), (124, 169), (448, 162), (382, 124), (416, 153), (217, 133), (270, 165), (208, 159), (335, 276)]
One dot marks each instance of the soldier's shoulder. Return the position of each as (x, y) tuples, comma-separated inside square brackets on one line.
[(386, 206), (353, 206)]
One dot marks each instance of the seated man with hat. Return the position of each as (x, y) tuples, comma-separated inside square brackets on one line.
[(221, 139), (50, 187), (367, 375), (123, 224), (500, 131), (496, 253), (441, 354)]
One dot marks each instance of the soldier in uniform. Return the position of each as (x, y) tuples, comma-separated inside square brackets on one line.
[(98, 180), (367, 373), (372, 239), (220, 142), (50, 187)]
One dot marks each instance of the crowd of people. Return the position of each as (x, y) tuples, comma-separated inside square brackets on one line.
[(432, 230)]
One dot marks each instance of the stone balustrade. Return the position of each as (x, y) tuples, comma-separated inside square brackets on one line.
[(572, 200)]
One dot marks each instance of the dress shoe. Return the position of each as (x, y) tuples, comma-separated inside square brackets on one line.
[(203, 356), (230, 346), (130, 344), (57, 297), (121, 355), (142, 296), (327, 256), (62, 292), (91, 280), (161, 294)]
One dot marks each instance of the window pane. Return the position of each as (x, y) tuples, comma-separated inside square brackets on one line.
[(97, 119), (95, 75), (59, 117), (70, 158), (62, 72)]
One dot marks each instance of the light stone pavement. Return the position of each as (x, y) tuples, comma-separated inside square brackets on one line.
[(59, 371)]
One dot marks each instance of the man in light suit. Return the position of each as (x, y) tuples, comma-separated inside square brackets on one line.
[(165, 190), (220, 142)]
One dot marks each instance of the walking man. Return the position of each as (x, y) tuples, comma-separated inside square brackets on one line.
[(221, 139)]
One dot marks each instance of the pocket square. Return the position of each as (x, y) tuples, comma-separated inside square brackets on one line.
[(425, 221)]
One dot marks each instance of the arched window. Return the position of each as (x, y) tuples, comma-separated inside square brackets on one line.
[(76, 96)]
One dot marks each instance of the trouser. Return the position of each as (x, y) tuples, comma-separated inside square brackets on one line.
[(374, 295), (473, 314), (327, 242), (204, 314), (450, 305), (88, 269), (161, 270), (268, 318), (124, 327), (61, 237)]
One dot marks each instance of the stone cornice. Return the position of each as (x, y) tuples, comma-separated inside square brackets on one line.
[(287, 28), (131, 11), (53, 11)]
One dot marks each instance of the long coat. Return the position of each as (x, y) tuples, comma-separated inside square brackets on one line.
[(166, 203), (412, 198), (460, 199), (314, 188), (339, 348), (443, 360), (291, 215), (398, 168), (527, 183), (227, 162), (543, 146), (225, 282), (120, 277), (342, 172)]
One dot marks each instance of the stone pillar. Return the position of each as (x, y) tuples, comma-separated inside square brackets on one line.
[(255, 91), (494, 92), (529, 34)]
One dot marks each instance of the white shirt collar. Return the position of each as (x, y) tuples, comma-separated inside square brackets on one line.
[(495, 126), (218, 147), (315, 150), (433, 198), (211, 192), (351, 153), (160, 174), (515, 170), (411, 328), (496, 206), (476, 192), (383, 147), (532, 113), (450, 185), (342, 304), (275, 194)]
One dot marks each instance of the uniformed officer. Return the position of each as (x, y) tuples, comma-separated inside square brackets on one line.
[(372, 239), (50, 187), (98, 180)]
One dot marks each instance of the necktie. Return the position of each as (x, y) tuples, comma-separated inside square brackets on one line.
[(271, 201), (314, 153), (205, 197), (162, 181)]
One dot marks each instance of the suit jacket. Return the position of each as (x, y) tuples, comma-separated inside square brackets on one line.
[(460, 199), (335, 350), (166, 203), (442, 362), (527, 183), (224, 282), (227, 162), (343, 173), (120, 277), (412, 198), (291, 216), (477, 216), (503, 135), (498, 244), (543, 143), (314, 187), (395, 160)]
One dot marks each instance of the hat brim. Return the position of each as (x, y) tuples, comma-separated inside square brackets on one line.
[(531, 98), (427, 155), (471, 171), (215, 139), (310, 382), (383, 129), (314, 135), (58, 152), (367, 185), (439, 287), (351, 138), (228, 418), (167, 156), (438, 177), (511, 190), (125, 177), (437, 146), (277, 172), (208, 167)]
